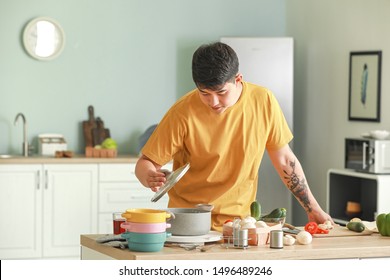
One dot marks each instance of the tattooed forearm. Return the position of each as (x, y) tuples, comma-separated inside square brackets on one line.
[(297, 186)]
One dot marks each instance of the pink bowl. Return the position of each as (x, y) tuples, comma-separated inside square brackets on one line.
[(145, 228)]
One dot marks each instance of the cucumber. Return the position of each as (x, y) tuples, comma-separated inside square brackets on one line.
[(256, 210), (277, 213), (356, 226)]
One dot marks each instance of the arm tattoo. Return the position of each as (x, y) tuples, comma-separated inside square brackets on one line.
[(298, 187)]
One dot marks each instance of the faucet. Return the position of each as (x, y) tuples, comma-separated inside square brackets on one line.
[(25, 142)]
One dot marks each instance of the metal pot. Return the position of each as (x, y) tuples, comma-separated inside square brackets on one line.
[(190, 221)]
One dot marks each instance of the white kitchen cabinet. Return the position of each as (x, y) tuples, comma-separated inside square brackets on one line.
[(69, 208), (20, 211), (45, 208), (372, 191), (119, 189)]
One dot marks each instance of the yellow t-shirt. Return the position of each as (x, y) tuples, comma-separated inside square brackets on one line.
[(224, 150)]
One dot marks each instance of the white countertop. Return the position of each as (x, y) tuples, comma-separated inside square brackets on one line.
[(36, 159)]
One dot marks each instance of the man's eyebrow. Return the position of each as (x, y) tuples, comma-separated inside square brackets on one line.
[(220, 90)]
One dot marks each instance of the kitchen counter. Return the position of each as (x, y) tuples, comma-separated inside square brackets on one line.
[(347, 247), (75, 159)]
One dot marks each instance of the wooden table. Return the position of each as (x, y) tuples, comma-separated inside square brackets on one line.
[(347, 247)]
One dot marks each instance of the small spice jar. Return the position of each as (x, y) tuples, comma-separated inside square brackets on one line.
[(276, 241)]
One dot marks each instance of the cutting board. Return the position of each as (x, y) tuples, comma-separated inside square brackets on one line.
[(88, 126), (339, 231), (99, 133)]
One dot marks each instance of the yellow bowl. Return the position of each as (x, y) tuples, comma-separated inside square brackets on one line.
[(143, 215)]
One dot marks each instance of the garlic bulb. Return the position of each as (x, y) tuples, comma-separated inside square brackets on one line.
[(288, 240), (304, 238), (248, 225), (261, 224)]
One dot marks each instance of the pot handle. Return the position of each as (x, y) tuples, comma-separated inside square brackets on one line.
[(170, 215), (205, 207)]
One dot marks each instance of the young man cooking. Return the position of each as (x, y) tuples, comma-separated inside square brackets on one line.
[(222, 128)]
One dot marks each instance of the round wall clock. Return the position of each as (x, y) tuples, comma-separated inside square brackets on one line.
[(43, 38)]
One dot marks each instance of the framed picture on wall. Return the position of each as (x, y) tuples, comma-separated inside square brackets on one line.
[(365, 86)]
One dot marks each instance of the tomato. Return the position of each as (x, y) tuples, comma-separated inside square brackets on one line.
[(227, 221), (311, 227)]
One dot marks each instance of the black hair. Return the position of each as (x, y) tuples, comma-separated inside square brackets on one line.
[(213, 65)]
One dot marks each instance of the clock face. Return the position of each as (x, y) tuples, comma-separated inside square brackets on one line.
[(43, 38)]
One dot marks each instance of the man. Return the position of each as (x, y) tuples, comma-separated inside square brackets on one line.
[(222, 128)]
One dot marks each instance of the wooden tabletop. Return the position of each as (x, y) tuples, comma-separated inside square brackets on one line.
[(359, 246)]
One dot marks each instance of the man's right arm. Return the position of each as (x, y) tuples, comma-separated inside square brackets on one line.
[(149, 174)]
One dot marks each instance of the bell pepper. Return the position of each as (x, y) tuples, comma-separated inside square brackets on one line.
[(383, 224), (311, 227)]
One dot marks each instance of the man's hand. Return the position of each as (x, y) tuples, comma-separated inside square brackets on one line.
[(157, 179)]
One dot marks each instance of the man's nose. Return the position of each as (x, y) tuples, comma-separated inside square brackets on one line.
[(214, 100)]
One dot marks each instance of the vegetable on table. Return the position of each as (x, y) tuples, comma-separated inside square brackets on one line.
[(356, 226), (277, 213), (314, 228), (256, 210), (288, 240), (311, 227), (383, 224), (304, 238)]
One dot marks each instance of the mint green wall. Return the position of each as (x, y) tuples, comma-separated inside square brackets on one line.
[(325, 32), (130, 59)]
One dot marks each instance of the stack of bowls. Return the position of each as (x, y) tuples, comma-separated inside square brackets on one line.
[(146, 229)]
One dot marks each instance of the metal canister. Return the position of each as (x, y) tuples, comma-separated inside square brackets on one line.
[(243, 238), (236, 232), (276, 241)]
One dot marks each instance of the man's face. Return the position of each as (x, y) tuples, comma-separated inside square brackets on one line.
[(224, 97)]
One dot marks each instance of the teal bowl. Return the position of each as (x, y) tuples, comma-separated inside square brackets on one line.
[(146, 247), (146, 242)]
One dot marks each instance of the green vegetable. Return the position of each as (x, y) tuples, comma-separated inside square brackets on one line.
[(256, 210), (356, 226), (383, 224), (277, 213), (109, 143)]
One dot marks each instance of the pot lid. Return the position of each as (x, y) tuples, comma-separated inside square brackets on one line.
[(172, 179)]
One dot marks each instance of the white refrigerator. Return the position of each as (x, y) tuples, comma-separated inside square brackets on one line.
[(269, 62)]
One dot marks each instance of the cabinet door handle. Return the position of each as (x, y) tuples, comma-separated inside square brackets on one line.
[(46, 179), (38, 178)]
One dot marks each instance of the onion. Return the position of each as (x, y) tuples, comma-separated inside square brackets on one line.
[(304, 238)]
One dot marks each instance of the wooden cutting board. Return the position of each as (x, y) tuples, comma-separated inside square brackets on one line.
[(88, 126), (339, 231), (99, 133)]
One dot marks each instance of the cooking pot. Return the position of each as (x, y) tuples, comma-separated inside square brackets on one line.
[(190, 221)]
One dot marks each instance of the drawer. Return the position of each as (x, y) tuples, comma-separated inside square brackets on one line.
[(117, 197), (117, 172)]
